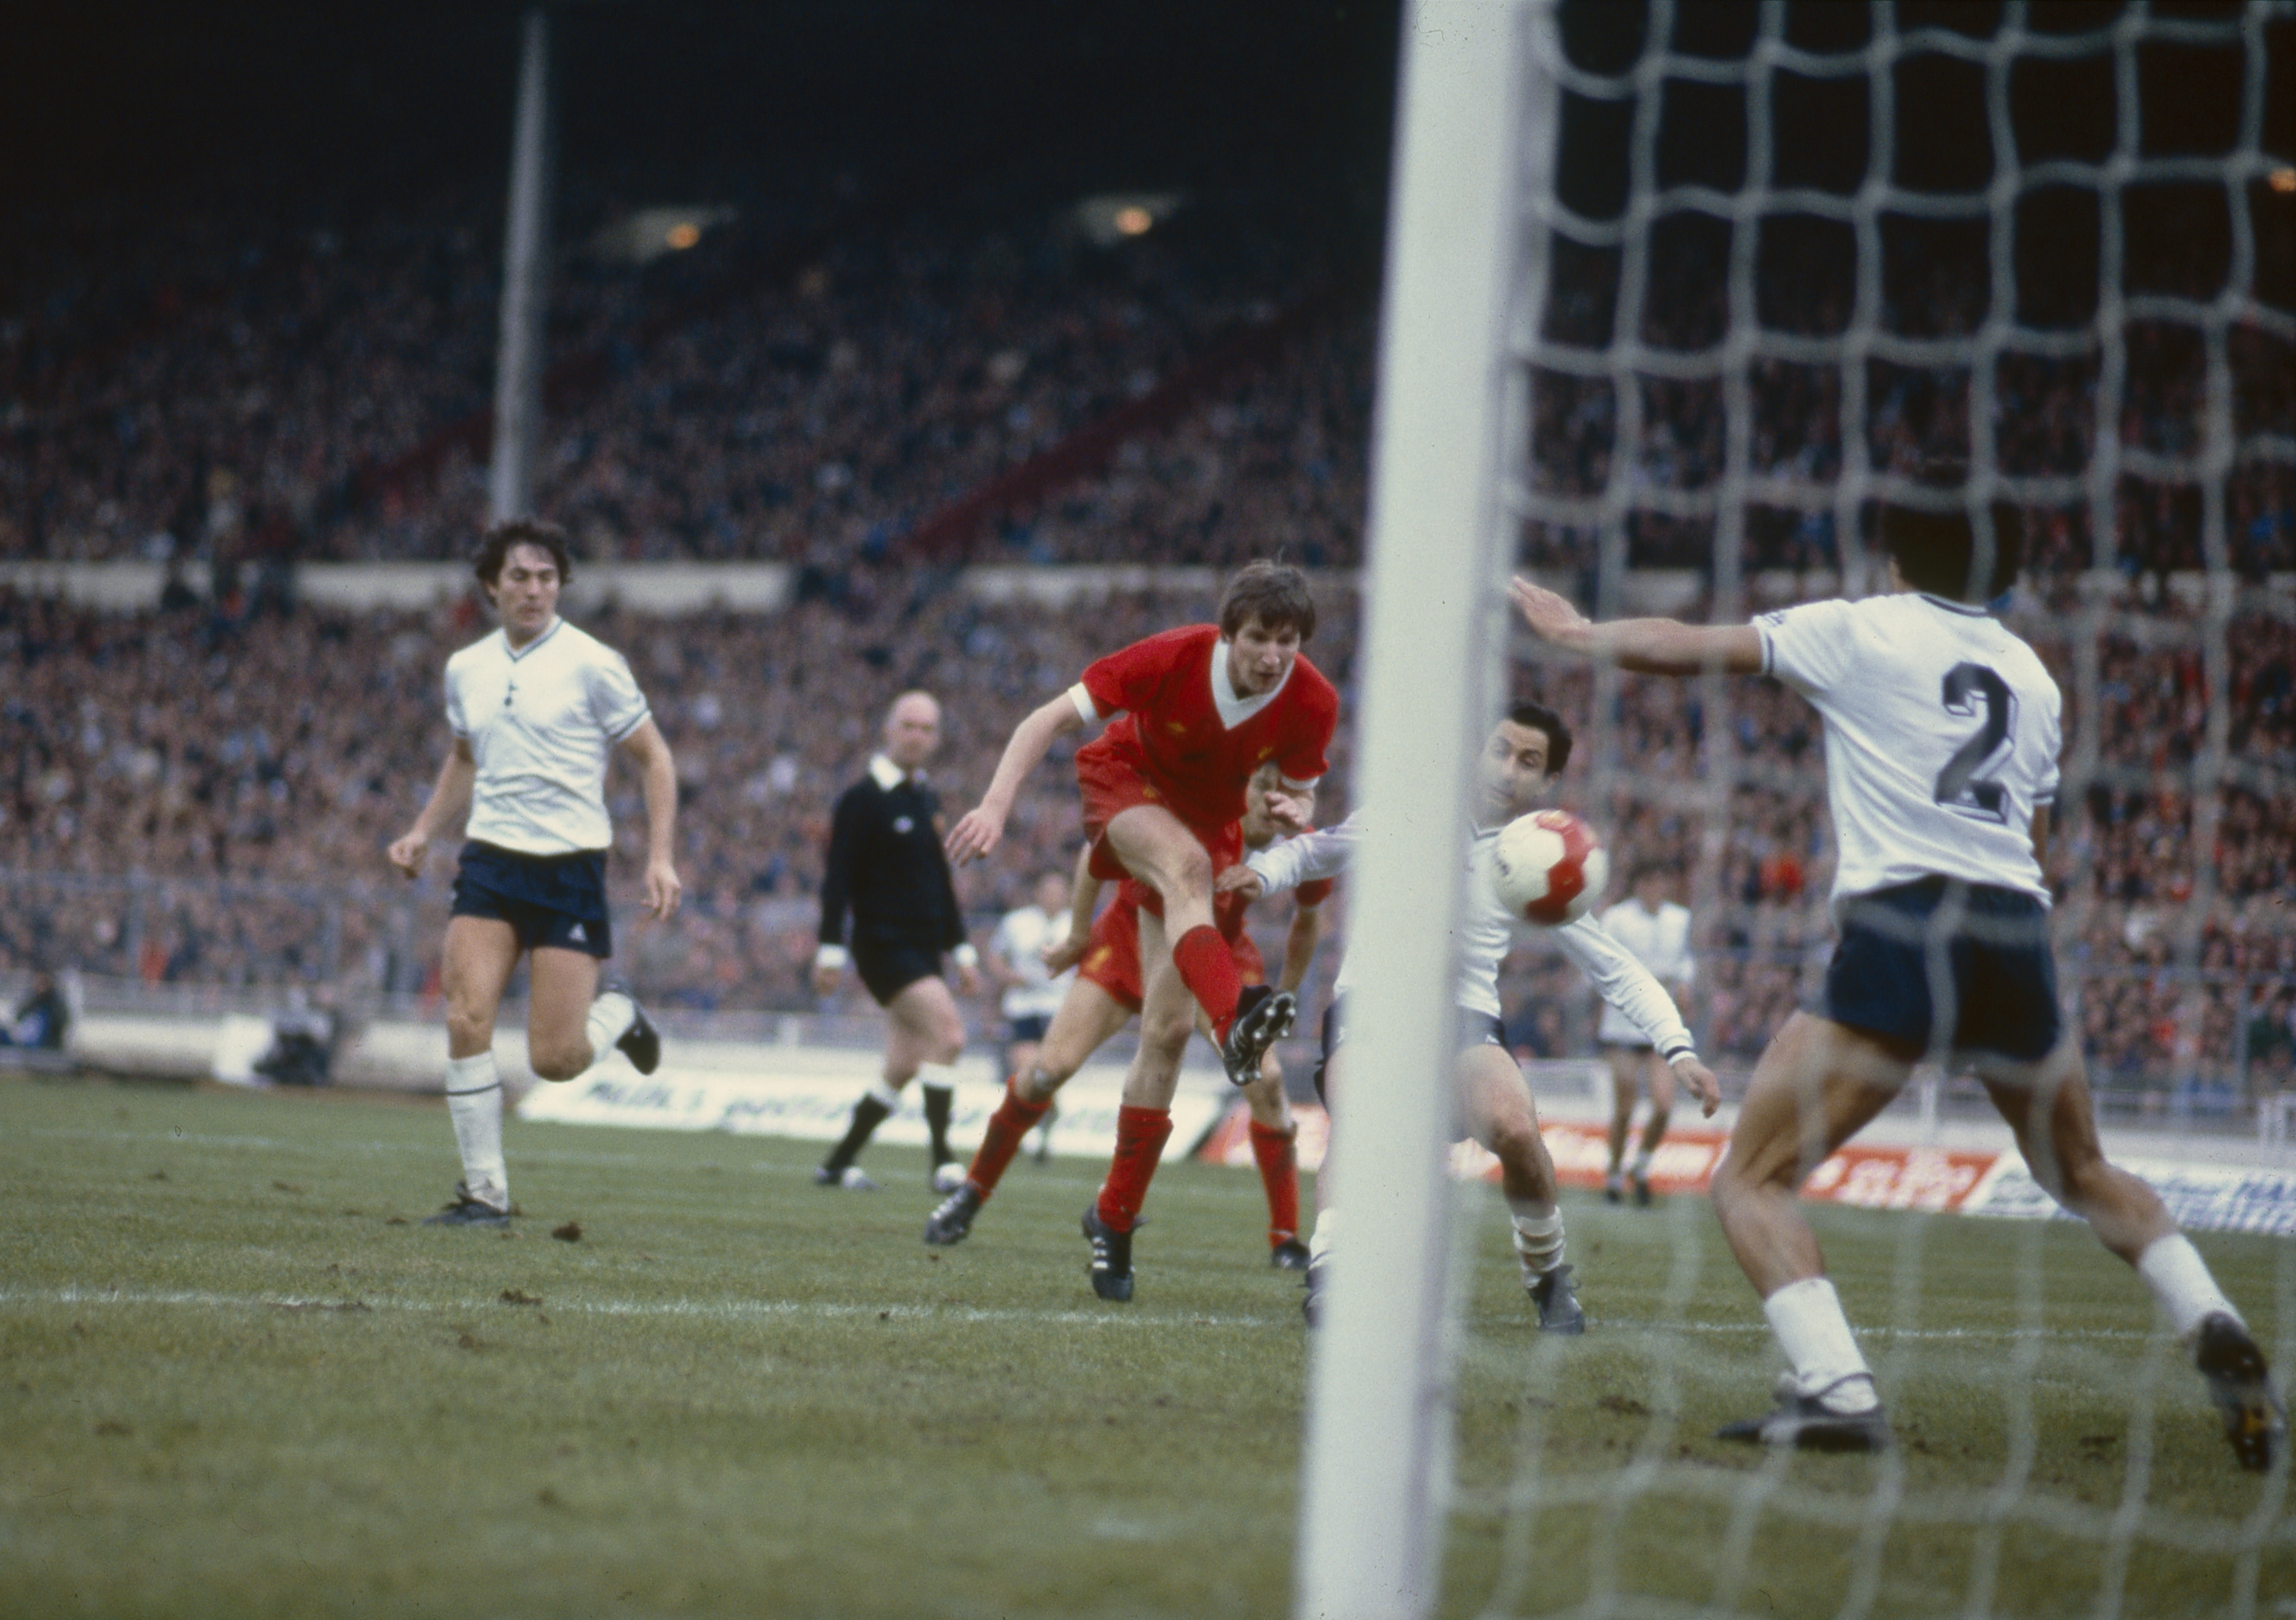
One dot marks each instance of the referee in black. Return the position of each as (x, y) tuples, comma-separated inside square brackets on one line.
[(886, 865)]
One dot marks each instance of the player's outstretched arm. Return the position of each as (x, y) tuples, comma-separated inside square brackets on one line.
[(1648, 647), (982, 828), (450, 798), (650, 749), (1300, 942)]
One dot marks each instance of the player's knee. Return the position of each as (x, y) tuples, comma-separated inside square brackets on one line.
[(468, 1028), (1516, 1144), (559, 1062), (948, 1044), (1190, 872)]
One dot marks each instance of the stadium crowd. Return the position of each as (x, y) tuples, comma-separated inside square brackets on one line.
[(810, 382), (813, 380), (254, 768)]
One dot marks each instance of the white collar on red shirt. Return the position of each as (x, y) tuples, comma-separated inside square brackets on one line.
[(1234, 709)]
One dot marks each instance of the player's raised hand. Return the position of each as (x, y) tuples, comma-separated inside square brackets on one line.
[(1702, 1083), (977, 832), (1551, 617), (406, 854), (1240, 880), (662, 889), (1064, 952), (1295, 813)]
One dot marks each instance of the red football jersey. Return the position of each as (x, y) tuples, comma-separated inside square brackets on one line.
[(1186, 731)]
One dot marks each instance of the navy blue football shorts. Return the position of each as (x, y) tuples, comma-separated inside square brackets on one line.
[(558, 901), (1475, 1029), (1030, 1026), (1942, 966)]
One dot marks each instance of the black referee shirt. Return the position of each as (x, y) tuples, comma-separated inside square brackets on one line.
[(886, 866)]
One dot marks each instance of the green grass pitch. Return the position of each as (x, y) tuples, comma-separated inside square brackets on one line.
[(238, 1379)]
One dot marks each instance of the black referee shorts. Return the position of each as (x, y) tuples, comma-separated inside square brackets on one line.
[(887, 969)]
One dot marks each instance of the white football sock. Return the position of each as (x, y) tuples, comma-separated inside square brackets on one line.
[(1642, 1167), (887, 1096), (474, 1103), (1319, 1241), (1538, 1236), (612, 1015), (1807, 1317), (2173, 1268), (940, 1075)]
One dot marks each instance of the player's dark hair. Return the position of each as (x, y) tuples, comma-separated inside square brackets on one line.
[(494, 547), (1274, 593), (1950, 554), (1539, 717)]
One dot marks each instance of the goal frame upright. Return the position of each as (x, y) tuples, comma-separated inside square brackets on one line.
[(1473, 127)]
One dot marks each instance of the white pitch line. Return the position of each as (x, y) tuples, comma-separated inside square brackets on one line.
[(831, 1310), (720, 1310)]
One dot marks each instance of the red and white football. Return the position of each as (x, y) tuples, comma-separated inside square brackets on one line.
[(1548, 868)]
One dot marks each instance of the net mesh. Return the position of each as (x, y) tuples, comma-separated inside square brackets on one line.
[(1793, 253)]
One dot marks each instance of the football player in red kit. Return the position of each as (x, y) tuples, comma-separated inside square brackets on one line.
[(1192, 713), (1106, 995)]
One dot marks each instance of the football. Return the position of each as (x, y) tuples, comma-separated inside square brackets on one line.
[(948, 1177), (1548, 868)]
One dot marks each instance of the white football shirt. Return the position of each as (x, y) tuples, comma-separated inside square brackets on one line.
[(540, 722), (1941, 737), (1659, 940), (1487, 934), (1021, 934)]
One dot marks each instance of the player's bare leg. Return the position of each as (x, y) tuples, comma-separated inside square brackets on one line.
[(1817, 1084), (1144, 1124), (1088, 1016), (1661, 1074), (2048, 1105), (474, 971), (1626, 1091), (1275, 1136), (1157, 848), (924, 1034), (1497, 1104), (562, 985), (921, 1026)]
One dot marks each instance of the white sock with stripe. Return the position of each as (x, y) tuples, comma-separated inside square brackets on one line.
[(1537, 1237), (474, 1103)]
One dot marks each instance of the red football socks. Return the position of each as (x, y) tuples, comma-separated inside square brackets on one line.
[(1208, 969), (1008, 1126), (1140, 1135), (1279, 1173)]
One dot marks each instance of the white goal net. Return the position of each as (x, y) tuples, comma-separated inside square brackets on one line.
[(1768, 261)]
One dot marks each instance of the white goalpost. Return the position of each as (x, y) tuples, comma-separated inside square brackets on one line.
[(1377, 1458)]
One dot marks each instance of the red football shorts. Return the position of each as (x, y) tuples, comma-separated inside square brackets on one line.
[(1111, 784), (1112, 955)]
